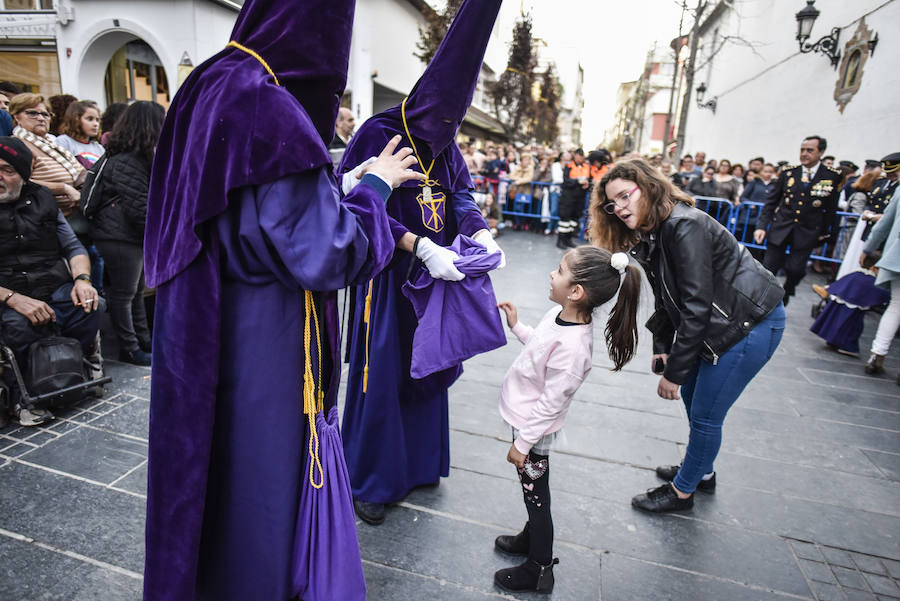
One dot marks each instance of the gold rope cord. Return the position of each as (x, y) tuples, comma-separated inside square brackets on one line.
[(313, 399), (428, 181), (255, 55), (367, 317)]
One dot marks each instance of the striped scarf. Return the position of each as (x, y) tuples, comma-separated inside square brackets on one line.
[(49, 146)]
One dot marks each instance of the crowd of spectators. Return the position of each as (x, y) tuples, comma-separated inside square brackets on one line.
[(94, 166), (502, 171)]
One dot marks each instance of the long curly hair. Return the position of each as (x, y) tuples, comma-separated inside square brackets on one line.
[(137, 130), (658, 192), (57, 107), (71, 122)]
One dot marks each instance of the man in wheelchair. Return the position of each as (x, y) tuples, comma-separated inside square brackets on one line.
[(45, 284)]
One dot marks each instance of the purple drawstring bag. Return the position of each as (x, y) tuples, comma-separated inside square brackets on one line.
[(457, 320), (327, 561)]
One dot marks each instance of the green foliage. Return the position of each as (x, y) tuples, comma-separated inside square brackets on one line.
[(511, 95), (545, 118), (436, 25)]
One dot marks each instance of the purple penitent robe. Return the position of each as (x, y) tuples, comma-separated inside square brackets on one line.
[(243, 215), (270, 251)]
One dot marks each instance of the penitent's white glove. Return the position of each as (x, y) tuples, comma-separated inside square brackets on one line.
[(439, 261), (352, 177), (484, 238)]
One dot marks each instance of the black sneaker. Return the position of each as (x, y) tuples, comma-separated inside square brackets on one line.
[(514, 545), (529, 576), (370, 513), (667, 473), (135, 357), (661, 499)]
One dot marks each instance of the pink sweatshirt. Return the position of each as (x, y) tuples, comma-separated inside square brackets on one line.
[(539, 387)]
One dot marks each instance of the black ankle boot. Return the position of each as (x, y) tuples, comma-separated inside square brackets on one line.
[(529, 576), (514, 545)]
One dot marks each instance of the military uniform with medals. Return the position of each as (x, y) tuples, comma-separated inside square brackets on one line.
[(800, 211)]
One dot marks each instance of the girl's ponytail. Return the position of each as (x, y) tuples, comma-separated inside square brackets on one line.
[(621, 328)]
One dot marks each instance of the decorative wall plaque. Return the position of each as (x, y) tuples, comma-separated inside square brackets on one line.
[(856, 52)]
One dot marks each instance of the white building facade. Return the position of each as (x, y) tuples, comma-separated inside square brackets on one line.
[(769, 96), (114, 51)]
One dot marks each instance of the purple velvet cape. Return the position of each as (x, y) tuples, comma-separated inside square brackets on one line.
[(396, 435), (219, 136), (457, 320)]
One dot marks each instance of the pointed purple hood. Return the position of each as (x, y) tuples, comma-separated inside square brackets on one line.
[(231, 126), (438, 102)]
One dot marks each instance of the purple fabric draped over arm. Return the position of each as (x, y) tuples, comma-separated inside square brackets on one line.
[(317, 245)]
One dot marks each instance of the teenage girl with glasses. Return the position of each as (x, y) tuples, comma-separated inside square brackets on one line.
[(719, 314)]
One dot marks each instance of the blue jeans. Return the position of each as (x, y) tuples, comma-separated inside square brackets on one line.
[(710, 391)]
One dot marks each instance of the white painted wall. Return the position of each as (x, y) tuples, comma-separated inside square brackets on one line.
[(199, 27), (385, 33), (770, 100)]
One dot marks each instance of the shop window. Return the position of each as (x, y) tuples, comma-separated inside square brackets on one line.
[(36, 72), (27, 4)]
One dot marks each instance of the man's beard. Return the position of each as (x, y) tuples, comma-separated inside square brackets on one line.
[(10, 193)]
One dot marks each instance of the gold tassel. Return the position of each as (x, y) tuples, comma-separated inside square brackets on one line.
[(367, 314), (313, 399)]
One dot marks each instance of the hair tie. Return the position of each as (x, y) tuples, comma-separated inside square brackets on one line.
[(619, 262)]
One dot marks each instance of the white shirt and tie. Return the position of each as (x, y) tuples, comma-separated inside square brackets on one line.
[(810, 172)]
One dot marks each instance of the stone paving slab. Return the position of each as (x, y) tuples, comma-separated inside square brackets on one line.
[(72, 514), (29, 572)]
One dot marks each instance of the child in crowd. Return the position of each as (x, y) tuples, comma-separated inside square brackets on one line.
[(539, 387)]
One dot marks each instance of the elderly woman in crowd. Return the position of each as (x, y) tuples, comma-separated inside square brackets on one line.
[(55, 167)]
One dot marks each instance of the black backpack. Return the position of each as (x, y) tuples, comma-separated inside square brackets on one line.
[(54, 363), (92, 188)]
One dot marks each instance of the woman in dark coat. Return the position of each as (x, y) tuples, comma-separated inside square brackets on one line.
[(718, 319), (118, 226)]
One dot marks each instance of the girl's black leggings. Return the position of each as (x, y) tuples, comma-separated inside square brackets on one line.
[(535, 479)]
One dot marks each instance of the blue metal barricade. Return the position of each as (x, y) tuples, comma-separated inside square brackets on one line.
[(740, 220), (719, 209), (742, 223)]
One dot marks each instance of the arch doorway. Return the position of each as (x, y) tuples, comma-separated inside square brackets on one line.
[(135, 73), (121, 67)]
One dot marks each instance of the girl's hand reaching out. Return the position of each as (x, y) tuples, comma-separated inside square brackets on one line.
[(515, 456), (512, 315)]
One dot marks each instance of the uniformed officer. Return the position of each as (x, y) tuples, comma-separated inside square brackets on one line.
[(883, 188), (800, 213)]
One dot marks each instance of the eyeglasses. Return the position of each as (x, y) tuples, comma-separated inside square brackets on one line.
[(35, 114), (621, 201)]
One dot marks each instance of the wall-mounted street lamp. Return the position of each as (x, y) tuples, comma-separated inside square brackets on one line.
[(828, 45), (709, 104)]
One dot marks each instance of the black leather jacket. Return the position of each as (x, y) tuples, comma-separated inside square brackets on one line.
[(709, 291)]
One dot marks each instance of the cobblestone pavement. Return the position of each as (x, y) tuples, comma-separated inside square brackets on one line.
[(806, 507)]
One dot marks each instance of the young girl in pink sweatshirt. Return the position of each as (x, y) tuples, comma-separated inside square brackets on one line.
[(539, 387)]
